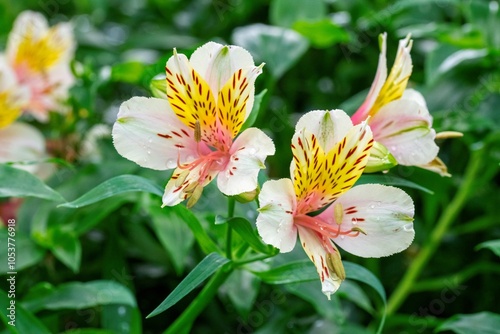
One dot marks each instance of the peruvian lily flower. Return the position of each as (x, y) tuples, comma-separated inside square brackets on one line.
[(398, 116), (40, 57), (19, 142), (371, 220), (196, 129)]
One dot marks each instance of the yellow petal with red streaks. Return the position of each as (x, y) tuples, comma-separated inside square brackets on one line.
[(345, 163), (308, 160), (232, 102), (191, 98)]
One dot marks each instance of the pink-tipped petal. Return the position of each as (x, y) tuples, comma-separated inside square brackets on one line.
[(275, 219), (248, 153), (362, 113)]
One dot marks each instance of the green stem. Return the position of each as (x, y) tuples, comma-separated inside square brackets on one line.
[(230, 213), (450, 213), (186, 319)]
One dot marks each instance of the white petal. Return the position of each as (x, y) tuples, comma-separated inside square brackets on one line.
[(216, 63), (384, 213), (248, 153), (148, 133), (379, 80), (21, 142), (328, 126), (330, 277), (275, 219), (404, 127), (412, 94)]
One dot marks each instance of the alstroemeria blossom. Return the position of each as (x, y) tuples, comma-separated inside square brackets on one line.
[(398, 116), (196, 129), (372, 220), (40, 57), (18, 142)]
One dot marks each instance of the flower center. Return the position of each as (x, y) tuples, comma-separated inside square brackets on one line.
[(325, 229)]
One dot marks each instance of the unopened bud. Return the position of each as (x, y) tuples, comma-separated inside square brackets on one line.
[(380, 159), (159, 88), (247, 196)]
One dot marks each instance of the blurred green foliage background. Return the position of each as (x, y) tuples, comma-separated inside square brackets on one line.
[(319, 54)]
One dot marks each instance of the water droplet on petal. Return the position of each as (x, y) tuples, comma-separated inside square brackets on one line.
[(354, 221), (342, 237), (408, 227), (149, 151), (393, 148), (150, 140), (372, 206)]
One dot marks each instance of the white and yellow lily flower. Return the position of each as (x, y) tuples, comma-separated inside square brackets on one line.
[(372, 220), (196, 129), (398, 116), (40, 56)]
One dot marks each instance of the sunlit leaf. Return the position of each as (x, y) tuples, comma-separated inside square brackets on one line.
[(286, 12), (130, 72), (322, 34), (77, 295), (115, 186), (201, 272), (278, 47), (493, 245), (15, 182), (478, 323)]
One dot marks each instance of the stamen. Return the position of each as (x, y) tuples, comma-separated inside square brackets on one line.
[(338, 213), (180, 179), (195, 196)]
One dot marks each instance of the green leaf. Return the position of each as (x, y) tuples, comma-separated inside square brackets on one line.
[(173, 233), (242, 288), (322, 34), (352, 291), (391, 180), (304, 271), (92, 331), (201, 272), (130, 72), (28, 252), (15, 182), (358, 273), (77, 295), (243, 227), (279, 47), (115, 186), (478, 323), (255, 110), (201, 236), (293, 272), (66, 247), (444, 58), (121, 319), (493, 245), (25, 321), (286, 12)]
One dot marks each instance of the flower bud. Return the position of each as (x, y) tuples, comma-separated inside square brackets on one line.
[(159, 88), (380, 159), (247, 196)]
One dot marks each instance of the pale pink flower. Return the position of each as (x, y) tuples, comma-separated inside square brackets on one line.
[(40, 56)]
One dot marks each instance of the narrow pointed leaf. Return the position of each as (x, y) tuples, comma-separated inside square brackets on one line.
[(245, 230), (483, 323), (115, 186), (493, 245), (15, 182), (201, 272)]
